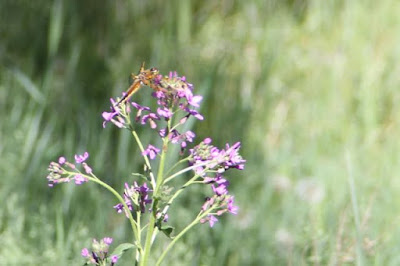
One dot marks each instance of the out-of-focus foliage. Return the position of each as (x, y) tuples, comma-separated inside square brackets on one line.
[(309, 87)]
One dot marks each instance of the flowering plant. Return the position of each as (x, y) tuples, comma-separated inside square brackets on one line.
[(145, 203)]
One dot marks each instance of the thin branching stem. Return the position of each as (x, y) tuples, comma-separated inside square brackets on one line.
[(133, 223), (146, 159), (184, 171), (179, 191), (176, 164), (187, 228), (152, 222)]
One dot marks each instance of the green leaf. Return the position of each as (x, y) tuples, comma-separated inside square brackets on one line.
[(167, 230), (122, 248), (140, 176)]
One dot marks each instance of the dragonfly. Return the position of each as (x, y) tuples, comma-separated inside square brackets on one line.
[(144, 77)]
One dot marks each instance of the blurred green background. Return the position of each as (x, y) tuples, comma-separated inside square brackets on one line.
[(310, 88)]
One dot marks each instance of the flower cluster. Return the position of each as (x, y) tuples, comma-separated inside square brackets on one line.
[(177, 138), (176, 91), (135, 196), (60, 174), (216, 159), (173, 93), (175, 98), (220, 204), (118, 115), (209, 162), (99, 253)]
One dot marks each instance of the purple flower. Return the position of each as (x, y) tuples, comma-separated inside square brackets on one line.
[(172, 74), (184, 92), (162, 132), (183, 145), (234, 158), (207, 204), (159, 95), (195, 100), (114, 259), (164, 112), (109, 116), (79, 179), (194, 113), (140, 107), (81, 158), (140, 110), (107, 240), (129, 190), (190, 136), (161, 216), (120, 207), (139, 195), (151, 151), (207, 141), (232, 208), (85, 253), (183, 120), (221, 188), (61, 160), (88, 169), (176, 137), (211, 219), (144, 198), (150, 118)]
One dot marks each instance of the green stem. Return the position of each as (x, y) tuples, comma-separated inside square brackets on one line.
[(191, 181), (187, 228), (139, 235), (184, 170), (160, 174), (146, 159), (175, 165), (179, 191), (118, 196), (152, 221)]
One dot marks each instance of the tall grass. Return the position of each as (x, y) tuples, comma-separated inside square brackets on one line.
[(301, 84)]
